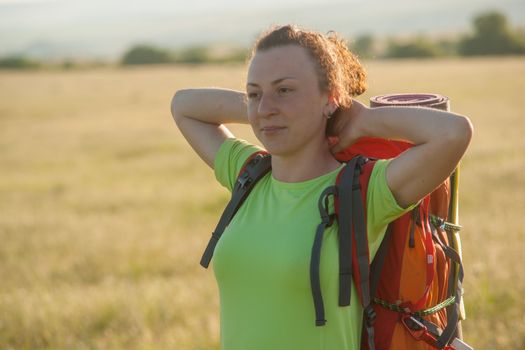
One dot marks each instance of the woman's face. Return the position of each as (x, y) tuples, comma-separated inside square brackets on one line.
[(285, 104)]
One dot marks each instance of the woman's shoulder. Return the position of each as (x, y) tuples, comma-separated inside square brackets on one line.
[(231, 157)]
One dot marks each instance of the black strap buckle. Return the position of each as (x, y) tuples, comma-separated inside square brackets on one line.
[(413, 323), (324, 206), (370, 315), (214, 237), (244, 180)]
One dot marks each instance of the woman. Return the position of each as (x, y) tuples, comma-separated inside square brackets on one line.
[(297, 82)]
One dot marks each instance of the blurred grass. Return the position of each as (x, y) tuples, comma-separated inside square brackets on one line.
[(105, 211)]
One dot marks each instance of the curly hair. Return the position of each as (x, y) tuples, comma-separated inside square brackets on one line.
[(338, 69)]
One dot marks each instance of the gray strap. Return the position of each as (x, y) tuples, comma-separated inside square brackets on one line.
[(345, 232), (255, 170), (363, 259), (361, 239), (315, 260), (378, 262)]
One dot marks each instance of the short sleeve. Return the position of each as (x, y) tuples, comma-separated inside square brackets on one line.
[(230, 159), (382, 207)]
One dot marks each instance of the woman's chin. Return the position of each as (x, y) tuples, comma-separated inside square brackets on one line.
[(274, 148)]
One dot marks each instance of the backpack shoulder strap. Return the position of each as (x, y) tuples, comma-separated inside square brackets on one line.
[(353, 237), (352, 184), (258, 165), (377, 263), (345, 187)]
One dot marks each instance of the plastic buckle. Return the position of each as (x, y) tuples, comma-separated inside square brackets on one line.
[(214, 236), (370, 315), (319, 323), (441, 223), (256, 159), (244, 179), (327, 220), (458, 344), (414, 327), (362, 160), (417, 329)]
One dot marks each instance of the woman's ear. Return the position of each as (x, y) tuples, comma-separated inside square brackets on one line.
[(331, 106)]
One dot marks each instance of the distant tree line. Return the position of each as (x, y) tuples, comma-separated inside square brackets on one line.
[(18, 62), (149, 54), (491, 35)]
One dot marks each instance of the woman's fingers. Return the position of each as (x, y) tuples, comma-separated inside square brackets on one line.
[(342, 126), (333, 140)]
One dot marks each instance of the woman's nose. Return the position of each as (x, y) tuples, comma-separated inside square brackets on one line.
[(267, 106)]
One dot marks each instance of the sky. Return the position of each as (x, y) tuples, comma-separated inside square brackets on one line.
[(106, 28)]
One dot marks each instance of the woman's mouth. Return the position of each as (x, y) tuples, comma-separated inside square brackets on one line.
[(271, 130)]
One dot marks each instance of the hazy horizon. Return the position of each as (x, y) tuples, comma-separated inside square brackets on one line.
[(105, 29)]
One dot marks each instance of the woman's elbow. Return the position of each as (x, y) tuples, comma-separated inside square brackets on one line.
[(466, 131), (181, 102), (176, 103), (460, 137)]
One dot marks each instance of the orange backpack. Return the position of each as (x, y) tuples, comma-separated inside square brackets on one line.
[(414, 293)]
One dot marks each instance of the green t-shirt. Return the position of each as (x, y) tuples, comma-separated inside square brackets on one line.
[(262, 261)]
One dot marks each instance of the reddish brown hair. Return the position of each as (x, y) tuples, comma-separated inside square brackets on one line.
[(338, 69)]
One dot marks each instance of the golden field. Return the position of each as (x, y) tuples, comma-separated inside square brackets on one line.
[(105, 211)]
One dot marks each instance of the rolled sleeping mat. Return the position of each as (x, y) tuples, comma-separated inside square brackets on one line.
[(442, 103), (380, 148), (412, 99)]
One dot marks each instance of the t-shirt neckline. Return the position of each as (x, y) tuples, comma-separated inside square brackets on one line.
[(306, 183)]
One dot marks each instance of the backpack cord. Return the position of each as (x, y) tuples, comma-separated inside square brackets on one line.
[(453, 317), (415, 321)]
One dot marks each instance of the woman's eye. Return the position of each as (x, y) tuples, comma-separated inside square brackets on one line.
[(284, 90), (252, 95)]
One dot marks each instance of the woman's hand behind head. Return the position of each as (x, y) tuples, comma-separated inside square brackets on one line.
[(345, 126)]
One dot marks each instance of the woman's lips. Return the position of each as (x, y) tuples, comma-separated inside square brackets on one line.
[(270, 130)]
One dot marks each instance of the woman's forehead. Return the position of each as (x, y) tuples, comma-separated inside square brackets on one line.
[(278, 62)]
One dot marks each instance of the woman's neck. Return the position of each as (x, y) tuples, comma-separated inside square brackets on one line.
[(303, 166)]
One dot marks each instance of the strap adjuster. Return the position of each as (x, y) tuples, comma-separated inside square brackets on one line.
[(244, 180), (370, 315), (214, 236), (321, 322)]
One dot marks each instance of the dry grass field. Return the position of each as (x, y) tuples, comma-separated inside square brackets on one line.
[(105, 211)]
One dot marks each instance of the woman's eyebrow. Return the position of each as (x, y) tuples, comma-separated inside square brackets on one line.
[(276, 81)]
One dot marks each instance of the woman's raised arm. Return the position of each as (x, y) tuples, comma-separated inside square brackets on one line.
[(440, 138), (200, 113)]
